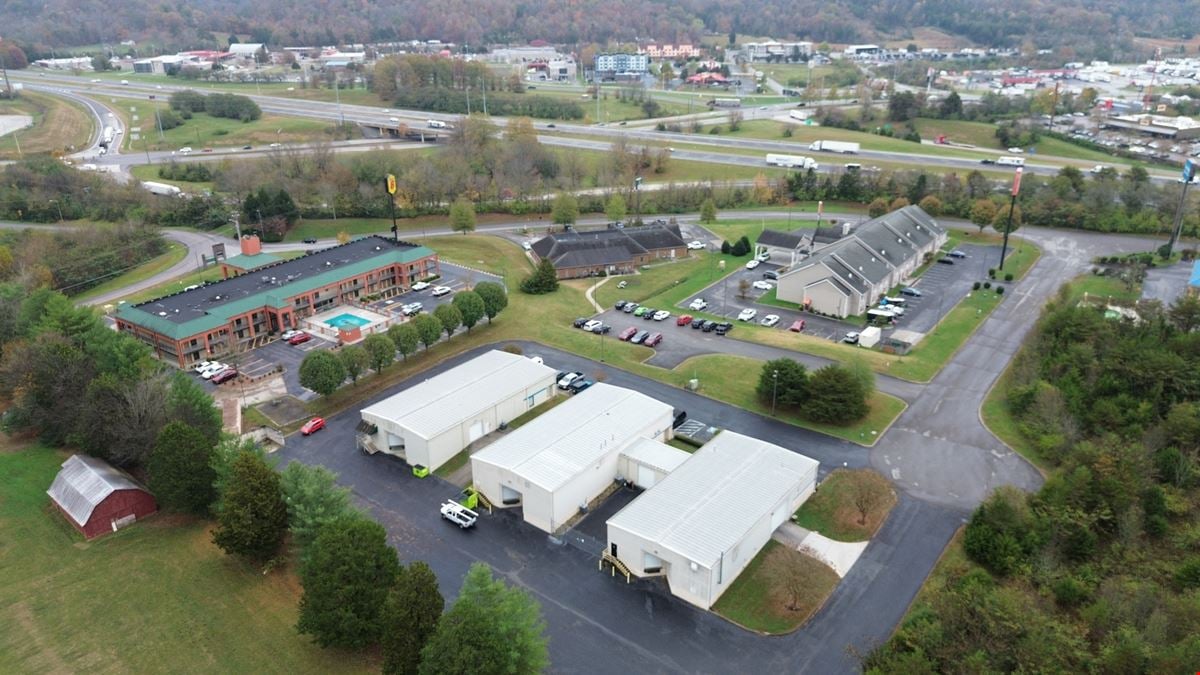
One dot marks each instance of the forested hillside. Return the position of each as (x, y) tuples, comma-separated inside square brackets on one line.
[(1091, 27)]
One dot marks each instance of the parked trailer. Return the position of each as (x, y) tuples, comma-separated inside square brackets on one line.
[(725, 103), (792, 161), (1011, 161), (843, 147), (162, 189)]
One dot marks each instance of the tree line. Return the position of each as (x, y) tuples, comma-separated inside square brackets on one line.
[(1099, 570), (188, 102), (76, 260), (325, 372)]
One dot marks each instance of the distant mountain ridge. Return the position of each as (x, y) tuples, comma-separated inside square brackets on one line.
[(1091, 28)]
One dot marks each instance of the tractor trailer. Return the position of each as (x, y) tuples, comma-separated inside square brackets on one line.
[(792, 162), (843, 147)]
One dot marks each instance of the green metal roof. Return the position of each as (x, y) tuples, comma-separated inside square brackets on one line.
[(277, 297), (252, 262)]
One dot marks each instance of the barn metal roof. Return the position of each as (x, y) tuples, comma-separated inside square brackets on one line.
[(559, 445), (83, 483), (429, 408), (706, 506)]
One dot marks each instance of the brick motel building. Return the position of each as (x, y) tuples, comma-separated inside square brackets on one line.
[(263, 296)]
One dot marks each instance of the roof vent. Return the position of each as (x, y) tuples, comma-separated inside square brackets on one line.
[(329, 263), (378, 248), (162, 313), (265, 278), (272, 279)]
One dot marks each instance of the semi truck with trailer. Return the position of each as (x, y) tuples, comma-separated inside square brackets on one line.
[(792, 162), (843, 147)]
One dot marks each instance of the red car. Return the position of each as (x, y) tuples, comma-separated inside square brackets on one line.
[(628, 333), (312, 426), (797, 326), (683, 320), (224, 376), (299, 338), (653, 340)]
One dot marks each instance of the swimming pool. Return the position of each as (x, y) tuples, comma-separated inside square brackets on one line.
[(347, 321)]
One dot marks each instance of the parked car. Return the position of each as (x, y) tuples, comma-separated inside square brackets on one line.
[(695, 245), (459, 514), (662, 315), (211, 369), (752, 264), (602, 329), (956, 254), (420, 286), (683, 320), (797, 326), (650, 312), (622, 284), (708, 326), (579, 385), (312, 426), (945, 261), (747, 314), (640, 311), (288, 334), (620, 305), (299, 338), (527, 246), (698, 305), (653, 340), (763, 257), (722, 328), (627, 333), (567, 379), (763, 285), (640, 337), (697, 322), (225, 376), (851, 338), (439, 291), (201, 366), (630, 307), (773, 275), (591, 325), (910, 292), (770, 320), (412, 309), (580, 322)]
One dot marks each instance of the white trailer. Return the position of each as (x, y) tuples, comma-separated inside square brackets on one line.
[(162, 189), (1011, 161), (843, 147), (792, 161)]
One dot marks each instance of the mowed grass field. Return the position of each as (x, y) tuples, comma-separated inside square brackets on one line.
[(203, 131), (155, 597), (59, 125)]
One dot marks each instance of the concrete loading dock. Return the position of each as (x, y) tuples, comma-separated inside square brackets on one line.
[(429, 423), (707, 520), (564, 459)]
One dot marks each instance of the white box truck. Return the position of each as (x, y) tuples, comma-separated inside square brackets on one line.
[(1011, 161), (792, 162), (843, 147), (162, 189)]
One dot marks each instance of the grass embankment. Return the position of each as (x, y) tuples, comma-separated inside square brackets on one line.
[(59, 125), (547, 319), (778, 591), (833, 509), (146, 599), (206, 131), (175, 253), (803, 135)]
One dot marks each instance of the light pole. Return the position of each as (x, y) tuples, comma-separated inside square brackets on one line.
[(1189, 171), (774, 390), (1012, 205), (637, 200)]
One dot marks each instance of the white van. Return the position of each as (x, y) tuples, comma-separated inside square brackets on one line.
[(436, 124)]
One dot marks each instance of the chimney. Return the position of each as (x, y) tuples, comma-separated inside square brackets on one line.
[(251, 245)]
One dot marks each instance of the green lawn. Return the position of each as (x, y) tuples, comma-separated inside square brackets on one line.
[(777, 591), (1107, 287), (175, 253), (804, 134), (999, 420), (203, 130), (156, 597), (150, 172), (59, 125), (832, 511)]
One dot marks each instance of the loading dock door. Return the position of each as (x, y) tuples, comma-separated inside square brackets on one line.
[(476, 432), (646, 477)]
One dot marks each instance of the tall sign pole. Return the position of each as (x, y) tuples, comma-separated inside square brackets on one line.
[(391, 189), (1012, 205), (1189, 172)]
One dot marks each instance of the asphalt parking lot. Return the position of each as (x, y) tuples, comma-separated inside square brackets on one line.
[(454, 277), (1167, 284)]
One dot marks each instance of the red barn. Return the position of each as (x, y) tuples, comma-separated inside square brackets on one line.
[(97, 498)]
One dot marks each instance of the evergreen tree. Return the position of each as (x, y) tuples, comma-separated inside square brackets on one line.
[(347, 573), (180, 472), (543, 280), (490, 629), (410, 615), (708, 211), (836, 396), (314, 499), (783, 381), (253, 518)]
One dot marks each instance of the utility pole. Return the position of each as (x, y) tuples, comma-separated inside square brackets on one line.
[(338, 95), (4, 68), (637, 200), (485, 86), (774, 390), (1189, 172), (1012, 205)]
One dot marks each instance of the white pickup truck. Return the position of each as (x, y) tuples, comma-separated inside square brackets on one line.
[(459, 514)]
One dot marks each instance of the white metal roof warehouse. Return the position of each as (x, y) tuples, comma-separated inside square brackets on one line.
[(703, 523), (568, 456), (430, 422)]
